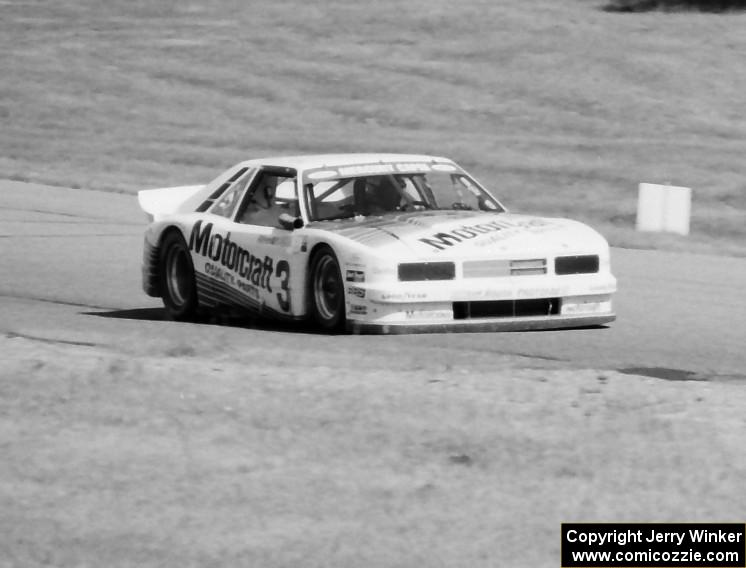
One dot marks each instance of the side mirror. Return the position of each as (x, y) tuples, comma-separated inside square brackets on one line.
[(289, 222)]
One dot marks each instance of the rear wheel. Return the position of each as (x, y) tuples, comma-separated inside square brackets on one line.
[(327, 291), (176, 271)]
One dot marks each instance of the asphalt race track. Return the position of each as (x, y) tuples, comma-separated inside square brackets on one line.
[(70, 264)]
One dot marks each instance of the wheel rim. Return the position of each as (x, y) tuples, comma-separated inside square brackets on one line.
[(178, 276), (327, 288)]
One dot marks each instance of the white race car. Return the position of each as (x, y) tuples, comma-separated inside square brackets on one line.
[(373, 242)]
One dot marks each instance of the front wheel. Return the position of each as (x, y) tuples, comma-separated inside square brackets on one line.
[(327, 291), (178, 288)]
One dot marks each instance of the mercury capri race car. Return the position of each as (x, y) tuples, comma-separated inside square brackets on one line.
[(373, 242)]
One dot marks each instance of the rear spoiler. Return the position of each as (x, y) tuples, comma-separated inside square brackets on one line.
[(165, 200)]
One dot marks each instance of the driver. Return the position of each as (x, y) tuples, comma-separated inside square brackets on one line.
[(260, 209), (385, 196)]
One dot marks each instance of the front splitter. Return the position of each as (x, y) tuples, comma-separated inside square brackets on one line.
[(482, 325)]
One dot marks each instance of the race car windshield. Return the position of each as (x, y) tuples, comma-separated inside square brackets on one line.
[(381, 194)]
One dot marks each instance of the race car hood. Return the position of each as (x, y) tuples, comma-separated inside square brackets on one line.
[(432, 234)]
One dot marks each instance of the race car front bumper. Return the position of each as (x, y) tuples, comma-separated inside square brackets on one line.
[(521, 304)]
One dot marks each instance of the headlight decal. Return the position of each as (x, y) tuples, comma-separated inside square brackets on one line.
[(418, 271), (581, 264)]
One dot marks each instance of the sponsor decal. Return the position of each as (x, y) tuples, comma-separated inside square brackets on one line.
[(403, 296), (358, 309), (492, 293), (366, 169), (273, 240), (446, 239), (413, 167), (379, 168), (428, 314), (539, 292), (355, 276), (355, 291), (509, 293), (220, 273), (586, 308), (234, 265)]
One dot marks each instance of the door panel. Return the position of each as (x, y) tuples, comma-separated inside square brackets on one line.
[(271, 268), (250, 261)]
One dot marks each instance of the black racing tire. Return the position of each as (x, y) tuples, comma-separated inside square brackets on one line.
[(176, 274), (326, 291)]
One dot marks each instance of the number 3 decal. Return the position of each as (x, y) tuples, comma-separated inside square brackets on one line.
[(283, 273)]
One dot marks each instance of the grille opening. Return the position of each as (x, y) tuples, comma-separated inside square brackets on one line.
[(528, 267), (506, 308), (584, 264)]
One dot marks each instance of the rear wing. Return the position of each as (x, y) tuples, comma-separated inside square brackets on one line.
[(165, 200)]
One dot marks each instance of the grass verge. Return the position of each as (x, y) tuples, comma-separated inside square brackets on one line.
[(200, 457), (559, 107)]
